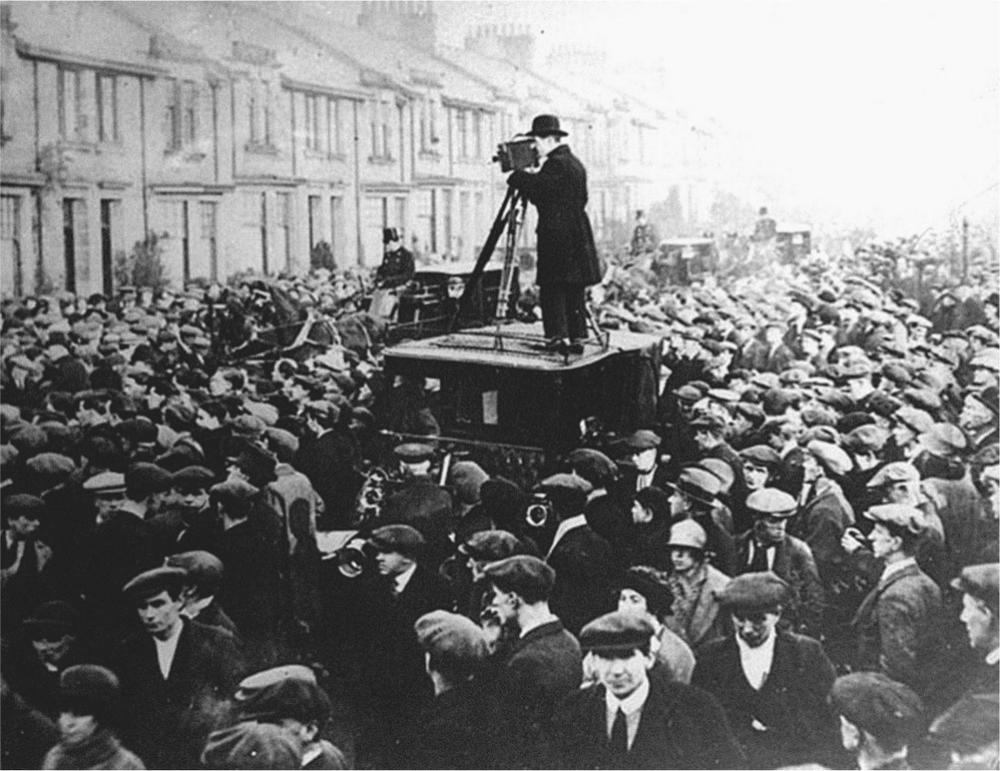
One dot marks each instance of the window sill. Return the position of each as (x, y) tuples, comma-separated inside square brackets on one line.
[(259, 149), (430, 155), (319, 155), (381, 160), (184, 155)]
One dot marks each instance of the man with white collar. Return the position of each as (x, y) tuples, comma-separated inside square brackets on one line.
[(772, 684), (633, 717), (898, 623), (643, 447), (174, 673), (544, 665), (980, 587)]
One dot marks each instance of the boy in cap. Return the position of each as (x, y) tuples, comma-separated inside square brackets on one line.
[(24, 557), (898, 623), (630, 719), (879, 719), (174, 673), (452, 730), (545, 663), (89, 696), (772, 684), (768, 546)]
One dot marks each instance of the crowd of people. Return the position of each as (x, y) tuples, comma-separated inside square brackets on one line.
[(795, 565)]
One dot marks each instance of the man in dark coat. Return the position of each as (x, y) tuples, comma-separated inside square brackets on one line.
[(393, 676), (567, 257), (633, 718), (175, 674), (544, 665), (772, 684)]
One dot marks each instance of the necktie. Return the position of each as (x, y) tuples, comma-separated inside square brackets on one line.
[(619, 734), (759, 562)]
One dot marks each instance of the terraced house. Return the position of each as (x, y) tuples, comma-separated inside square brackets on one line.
[(249, 136)]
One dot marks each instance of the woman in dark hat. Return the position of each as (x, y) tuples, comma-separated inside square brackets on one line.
[(88, 714)]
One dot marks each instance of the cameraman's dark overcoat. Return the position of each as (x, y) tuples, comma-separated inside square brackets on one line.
[(566, 251)]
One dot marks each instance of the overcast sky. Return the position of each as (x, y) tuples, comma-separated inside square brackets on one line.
[(880, 112)]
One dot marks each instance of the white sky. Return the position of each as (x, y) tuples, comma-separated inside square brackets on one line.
[(874, 112)]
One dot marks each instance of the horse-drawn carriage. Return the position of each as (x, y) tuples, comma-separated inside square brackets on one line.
[(681, 260)]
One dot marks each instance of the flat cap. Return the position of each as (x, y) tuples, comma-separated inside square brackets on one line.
[(451, 639), (708, 421), (969, 726), (915, 419), (284, 444), (988, 358), (568, 482), (982, 582), (724, 395), (466, 478), (688, 393), (53, 616), (401, 539), (894, 473), (761, 455), (771, 501), (143, 479), (944, 440), (866, 438), (989, 397), (643, 439), (248, 426), (886, 709), (413, 452), (898, 514), (203, 568), (193, 478), (151, 582), (616, 633), (522, 574), (23, 505), (105, 483), (923, 399), (830, 456), (593, 465), (491, 545), (721, 470), (232, 491), (252, 684), (252, 745), (754, 591)]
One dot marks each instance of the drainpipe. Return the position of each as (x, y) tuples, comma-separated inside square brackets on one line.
[(142, 133), (215, 131), (357, 189), (295, 155)]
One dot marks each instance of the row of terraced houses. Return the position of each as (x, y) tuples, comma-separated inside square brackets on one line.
[(247, 133)]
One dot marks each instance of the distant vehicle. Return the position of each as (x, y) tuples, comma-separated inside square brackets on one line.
[(680, 260), (428, 302), (514, 408), (793, 242)]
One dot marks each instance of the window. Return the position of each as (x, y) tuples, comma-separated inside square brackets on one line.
[(107, 108), (313, 122), (478, 126), (72, 119), (208, 220), (75, 240), (173, 118), (462, 129), (10, 241), (260, 114), (333, 126), (284, 201), (381, 139), (428, 124), (190, 113)]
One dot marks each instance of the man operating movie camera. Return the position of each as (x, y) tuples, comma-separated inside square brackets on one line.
[(567, 257)]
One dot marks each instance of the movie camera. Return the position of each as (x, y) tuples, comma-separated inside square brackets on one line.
[(539, 511), (355, 558), (517, 154)]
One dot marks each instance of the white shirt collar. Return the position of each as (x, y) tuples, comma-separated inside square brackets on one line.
[(166, 650), (895, 567), (756, 662), (564, 527), (404, 578), (631, 703), (993, 657), (195, 608)]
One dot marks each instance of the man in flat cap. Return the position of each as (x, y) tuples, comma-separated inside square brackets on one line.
[(979, 417), (544, 664), (567, 257), (977, 706), (202, 582), (633, 718), (392, 660), (772, 684), (174, 673), (451, 732), (879, 719), (25, 560), (769, 547), (898, 623)]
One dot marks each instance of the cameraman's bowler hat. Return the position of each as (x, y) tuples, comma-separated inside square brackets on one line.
[(545, 126)]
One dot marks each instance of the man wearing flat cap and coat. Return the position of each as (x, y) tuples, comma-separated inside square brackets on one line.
[(567, 257), (634, 716), (771, 683)]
